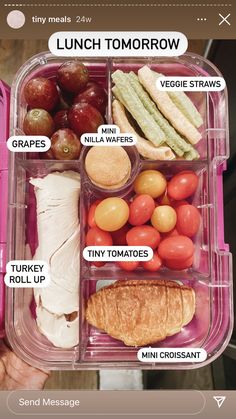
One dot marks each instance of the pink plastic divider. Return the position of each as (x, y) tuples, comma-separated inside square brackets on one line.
[(4, 132)]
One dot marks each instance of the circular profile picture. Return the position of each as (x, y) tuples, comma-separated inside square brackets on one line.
[(15, 19)]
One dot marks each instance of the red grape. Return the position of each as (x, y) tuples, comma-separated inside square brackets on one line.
[(95, 95), (65, 145), (61, 119), (90, 83), (84, 118), (41, 93), (38, 122), (72, 76)]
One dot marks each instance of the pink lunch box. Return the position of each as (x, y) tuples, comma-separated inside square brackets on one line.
[(211, 273), (4, 131)]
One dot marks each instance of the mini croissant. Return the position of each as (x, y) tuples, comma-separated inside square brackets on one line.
[(141, 312)]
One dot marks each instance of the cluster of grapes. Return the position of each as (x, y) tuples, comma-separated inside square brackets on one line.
[(64, 108)]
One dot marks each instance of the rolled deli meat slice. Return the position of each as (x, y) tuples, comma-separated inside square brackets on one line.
[(56, 299), (61, 332), (67, 278), (57, 196)]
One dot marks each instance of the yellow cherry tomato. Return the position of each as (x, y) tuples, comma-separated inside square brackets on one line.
[(164, 218), (111, 214), (150, 182)]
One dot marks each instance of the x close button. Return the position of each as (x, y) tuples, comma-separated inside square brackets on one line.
[(224, 19)]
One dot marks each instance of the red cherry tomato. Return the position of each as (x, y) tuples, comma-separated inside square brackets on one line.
[(128, 266), (188, 220), (141, 209), (98, 264), (143, 236), (98, 237), (179, 265), (177, 247), (171, 233), (182, 185), (119, 236), (154, 264), (91, 219)]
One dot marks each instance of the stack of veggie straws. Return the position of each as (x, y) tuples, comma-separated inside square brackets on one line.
[(169, 121)]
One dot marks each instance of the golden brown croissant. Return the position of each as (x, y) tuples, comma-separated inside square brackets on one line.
[(141, 312)]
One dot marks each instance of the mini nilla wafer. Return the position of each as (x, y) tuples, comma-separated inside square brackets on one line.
[(108, 167)]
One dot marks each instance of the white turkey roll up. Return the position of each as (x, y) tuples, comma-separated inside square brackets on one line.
[(57, 197), (62, 333), (64, 279)]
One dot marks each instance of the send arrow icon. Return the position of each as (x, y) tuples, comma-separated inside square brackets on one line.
[(219, 400)]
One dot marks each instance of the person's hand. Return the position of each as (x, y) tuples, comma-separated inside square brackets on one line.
[(15, 374)]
